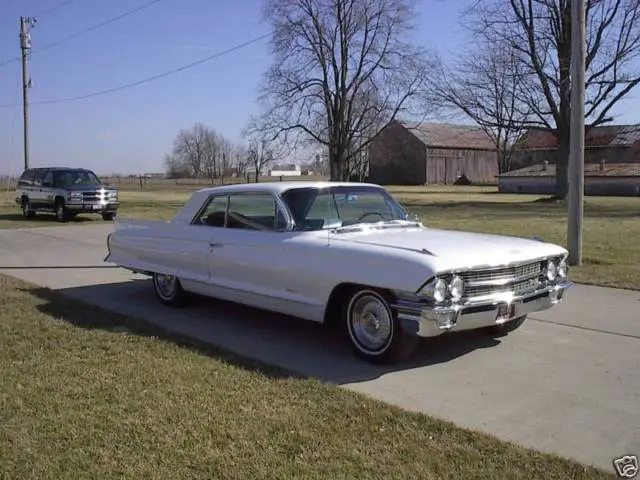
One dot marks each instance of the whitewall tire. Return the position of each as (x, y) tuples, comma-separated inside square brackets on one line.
[(169, 290), (373, 330)]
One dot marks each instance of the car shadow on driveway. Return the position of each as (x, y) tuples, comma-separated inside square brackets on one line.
[(243, 335)]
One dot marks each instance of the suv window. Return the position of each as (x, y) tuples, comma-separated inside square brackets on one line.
[(68, 178), (48, 179), (255, 211), (26, 178)]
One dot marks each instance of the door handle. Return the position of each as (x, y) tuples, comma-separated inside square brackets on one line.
[(212, 245)]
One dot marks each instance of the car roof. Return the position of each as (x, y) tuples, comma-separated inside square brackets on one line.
[(59, 168), (280, 187)]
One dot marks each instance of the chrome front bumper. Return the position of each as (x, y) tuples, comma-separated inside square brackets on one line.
[(430, 321), (96, 206)]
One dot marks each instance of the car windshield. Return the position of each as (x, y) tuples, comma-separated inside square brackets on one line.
[(71, 178), (341, 206)]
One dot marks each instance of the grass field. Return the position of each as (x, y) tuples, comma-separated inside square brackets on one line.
[(612, 224), (86, 393)]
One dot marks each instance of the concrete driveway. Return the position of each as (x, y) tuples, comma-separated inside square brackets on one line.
[(567, 382)]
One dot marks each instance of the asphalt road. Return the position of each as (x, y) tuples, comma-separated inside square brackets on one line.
[(567, 382)]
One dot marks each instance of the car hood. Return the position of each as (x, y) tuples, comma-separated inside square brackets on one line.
[(455, 249), (88, 188)]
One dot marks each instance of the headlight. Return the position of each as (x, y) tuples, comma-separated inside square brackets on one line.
[(563, 269), (440, 290), (456, 287), (74, 195), (552, 271)]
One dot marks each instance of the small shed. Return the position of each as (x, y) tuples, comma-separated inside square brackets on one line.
[(617, 179), (406, 153)]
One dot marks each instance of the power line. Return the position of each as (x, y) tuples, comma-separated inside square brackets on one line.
[(55, 7), (86, 30), (149, 79)]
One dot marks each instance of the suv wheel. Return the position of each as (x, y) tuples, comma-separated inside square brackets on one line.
[(108, 216), (27, 211), (61, 212)]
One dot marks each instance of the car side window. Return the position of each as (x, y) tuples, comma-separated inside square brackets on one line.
[(26, 179), (47, 181), (213, 215), (255, 211), (37, 177)]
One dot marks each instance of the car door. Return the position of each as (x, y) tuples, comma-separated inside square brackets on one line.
[(203, 235), (46, 194), (37, 194), (247, 257)]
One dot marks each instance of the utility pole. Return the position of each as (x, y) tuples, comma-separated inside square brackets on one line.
[(25, 45), (576, 148)]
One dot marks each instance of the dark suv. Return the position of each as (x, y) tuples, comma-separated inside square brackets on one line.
[(65, 192)]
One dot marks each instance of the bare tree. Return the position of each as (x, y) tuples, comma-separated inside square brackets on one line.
[(190, 147), (341, 67), (485, 85), (225, 149), (211, 156), (174, 167), (240, 159), (261, 154), (539, 31)]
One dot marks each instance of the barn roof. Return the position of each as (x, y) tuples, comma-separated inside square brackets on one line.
[(590, 170), (602, 136), (447, 135)]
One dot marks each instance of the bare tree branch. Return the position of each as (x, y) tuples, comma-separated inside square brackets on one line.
[(485, 86), (342, 68), (539, 31)]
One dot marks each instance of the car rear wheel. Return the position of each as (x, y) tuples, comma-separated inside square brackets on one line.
[(373, 330), (169, 290), (27, 211)]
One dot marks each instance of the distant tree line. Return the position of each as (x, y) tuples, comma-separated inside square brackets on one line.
[(202, 152)]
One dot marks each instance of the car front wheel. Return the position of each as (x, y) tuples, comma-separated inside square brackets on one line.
[(61, 212), (169, 290), (27, 212), (374, 331)]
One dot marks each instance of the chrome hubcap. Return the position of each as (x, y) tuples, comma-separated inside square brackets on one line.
[(166, 284), (371, 323)]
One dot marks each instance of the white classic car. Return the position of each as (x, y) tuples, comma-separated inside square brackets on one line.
[(343, 252)]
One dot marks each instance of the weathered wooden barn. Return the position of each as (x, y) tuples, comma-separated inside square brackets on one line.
[(619, 179), (608, 143), (405, 153)]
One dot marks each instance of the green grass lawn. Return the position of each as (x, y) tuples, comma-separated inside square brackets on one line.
[(86, 393), (611, 227)]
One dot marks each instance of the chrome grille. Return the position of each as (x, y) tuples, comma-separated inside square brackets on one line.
[(90, 196), (517, 279), (503, 274)]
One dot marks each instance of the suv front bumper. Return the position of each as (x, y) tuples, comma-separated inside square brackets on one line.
[(431, 321), (91, 207)]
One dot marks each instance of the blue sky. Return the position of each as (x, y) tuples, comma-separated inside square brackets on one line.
[(130, 131)]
